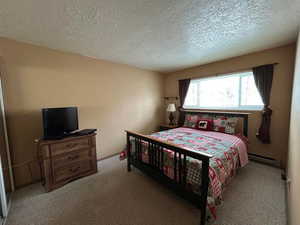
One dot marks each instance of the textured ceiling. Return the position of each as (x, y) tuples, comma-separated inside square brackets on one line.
[(160, 35)]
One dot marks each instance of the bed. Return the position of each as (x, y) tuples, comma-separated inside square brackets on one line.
[(196, 164)]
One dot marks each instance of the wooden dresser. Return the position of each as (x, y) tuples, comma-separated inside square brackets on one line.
[(65, 160)]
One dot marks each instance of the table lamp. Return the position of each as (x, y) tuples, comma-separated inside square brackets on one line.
[(171, 109)]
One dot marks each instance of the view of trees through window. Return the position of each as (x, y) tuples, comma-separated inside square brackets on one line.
[(236, 91)]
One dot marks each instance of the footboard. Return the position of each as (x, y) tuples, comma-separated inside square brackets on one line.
[(154, 167)]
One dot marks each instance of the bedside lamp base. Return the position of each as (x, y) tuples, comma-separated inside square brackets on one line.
[(171, 119)]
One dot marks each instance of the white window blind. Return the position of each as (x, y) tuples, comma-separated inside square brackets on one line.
[(232, 91)]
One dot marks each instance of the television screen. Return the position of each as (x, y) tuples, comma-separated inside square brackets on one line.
[(58, 122)]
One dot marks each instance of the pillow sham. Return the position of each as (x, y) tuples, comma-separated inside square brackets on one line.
[(225, 125), (190, 121), (205, 124)]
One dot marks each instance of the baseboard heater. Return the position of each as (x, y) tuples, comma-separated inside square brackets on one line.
[(264, 159)]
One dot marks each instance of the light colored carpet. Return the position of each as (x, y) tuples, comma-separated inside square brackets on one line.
[(116, 197)]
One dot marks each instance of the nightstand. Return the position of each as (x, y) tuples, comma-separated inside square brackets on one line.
[(163, 127)]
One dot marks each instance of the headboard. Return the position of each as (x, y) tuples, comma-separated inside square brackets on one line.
[(242, 115)]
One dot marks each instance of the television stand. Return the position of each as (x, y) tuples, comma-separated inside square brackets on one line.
[(62, 161), (51, 138), (84, 132)]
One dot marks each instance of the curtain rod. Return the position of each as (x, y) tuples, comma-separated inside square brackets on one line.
[(245, 69), (231, 72)]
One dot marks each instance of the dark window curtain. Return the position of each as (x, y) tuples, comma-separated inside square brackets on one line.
[(263, 76), (183, 89)]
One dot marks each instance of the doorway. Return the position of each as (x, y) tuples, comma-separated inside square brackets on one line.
[(6, 175)]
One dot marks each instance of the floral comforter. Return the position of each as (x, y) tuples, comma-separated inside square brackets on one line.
[(229, 152)]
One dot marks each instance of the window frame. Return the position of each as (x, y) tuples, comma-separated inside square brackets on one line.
[(239, 108)]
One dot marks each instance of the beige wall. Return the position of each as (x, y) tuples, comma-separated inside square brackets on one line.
[(110, 97), (113, 97), (280, 95), (294, 148)]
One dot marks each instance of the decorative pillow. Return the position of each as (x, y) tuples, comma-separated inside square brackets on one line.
[(205, 124), (191, 121), (225, 125)]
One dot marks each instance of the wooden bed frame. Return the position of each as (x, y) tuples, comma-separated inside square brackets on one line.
[(155, 166)]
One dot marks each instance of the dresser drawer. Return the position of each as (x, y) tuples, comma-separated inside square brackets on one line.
[(72, 170), (69, 146), (71, 157)]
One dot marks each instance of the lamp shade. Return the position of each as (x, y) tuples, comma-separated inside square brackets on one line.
[(171, 108)]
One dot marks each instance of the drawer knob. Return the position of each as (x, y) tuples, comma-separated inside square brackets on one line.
[(71, 145), (73, 170), (73, 157)]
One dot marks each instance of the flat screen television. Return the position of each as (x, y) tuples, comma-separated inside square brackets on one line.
[(59, 122)]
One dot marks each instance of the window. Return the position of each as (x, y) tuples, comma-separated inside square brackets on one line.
[(234, 91)]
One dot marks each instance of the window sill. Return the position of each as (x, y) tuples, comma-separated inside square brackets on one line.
[(224, 110)]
